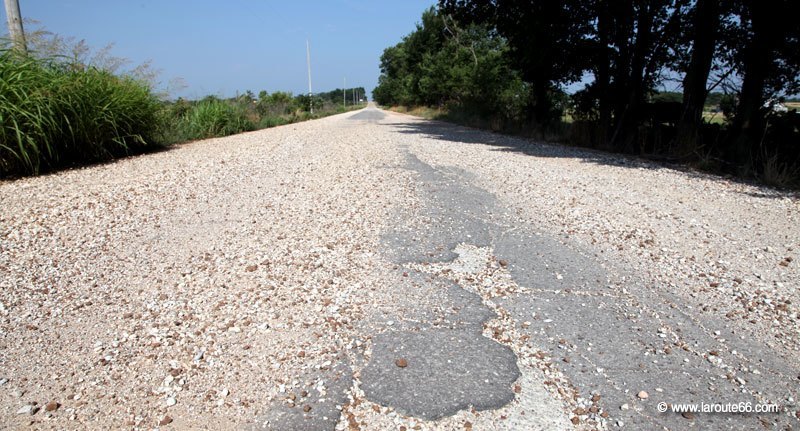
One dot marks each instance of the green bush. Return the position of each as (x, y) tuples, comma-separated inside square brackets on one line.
[(271, 122), (55, 113), (213, 117)]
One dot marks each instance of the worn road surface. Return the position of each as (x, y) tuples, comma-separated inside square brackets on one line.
[(376, 271)]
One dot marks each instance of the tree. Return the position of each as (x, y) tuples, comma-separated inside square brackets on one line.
[(704, 30), (547, 42), (645, 35), (768, 65), (446, 63)]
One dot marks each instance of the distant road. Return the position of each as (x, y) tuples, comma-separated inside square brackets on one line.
[(376, 271)]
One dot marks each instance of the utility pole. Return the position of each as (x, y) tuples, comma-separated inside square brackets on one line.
[(14, 20), (308, 61), (344, 93)]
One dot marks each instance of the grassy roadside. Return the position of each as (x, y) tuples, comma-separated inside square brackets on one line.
[(56, 113), (211, 117)]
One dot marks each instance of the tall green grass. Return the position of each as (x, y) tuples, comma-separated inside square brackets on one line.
[(212, 117), (54, 113)]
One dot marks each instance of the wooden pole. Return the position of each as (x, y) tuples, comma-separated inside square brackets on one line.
[(15, 25), (308, 60)]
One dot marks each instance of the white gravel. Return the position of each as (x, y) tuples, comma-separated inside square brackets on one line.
[(114, 278), (196, 284)]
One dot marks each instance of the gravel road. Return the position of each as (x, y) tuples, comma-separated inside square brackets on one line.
[(376, 271)]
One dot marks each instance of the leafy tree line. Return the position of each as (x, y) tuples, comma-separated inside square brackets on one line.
[(343, 96), (511, 58), (446, 63)]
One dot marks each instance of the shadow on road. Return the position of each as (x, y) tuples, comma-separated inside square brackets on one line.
[(466, 135)]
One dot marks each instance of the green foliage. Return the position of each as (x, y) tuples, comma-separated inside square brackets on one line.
[(212, 118), (727, 104), (666, 96), (337, 97), (275, 104), (56, 113), (465, 69)]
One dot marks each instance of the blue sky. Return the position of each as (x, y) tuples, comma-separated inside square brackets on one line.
[(255, 45)]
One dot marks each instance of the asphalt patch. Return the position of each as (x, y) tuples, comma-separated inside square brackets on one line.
[(446, 370)]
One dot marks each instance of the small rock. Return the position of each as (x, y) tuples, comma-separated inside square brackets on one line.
[(688, 415), (28, 409), (307, 408), (643, 395), (575, 420), (166, 420), (51, 406), (251, 268), (171, 401), (595, 398), (402, 363), (503, 262), (624, 407)]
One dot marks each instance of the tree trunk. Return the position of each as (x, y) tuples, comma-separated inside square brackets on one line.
[(748, 124), (625, 133), (604, 26), (706, 23)]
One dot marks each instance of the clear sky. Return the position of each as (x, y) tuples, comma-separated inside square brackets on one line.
[(227, 46)]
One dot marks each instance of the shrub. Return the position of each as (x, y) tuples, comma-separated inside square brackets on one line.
[(271, 122), (212, 117)]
